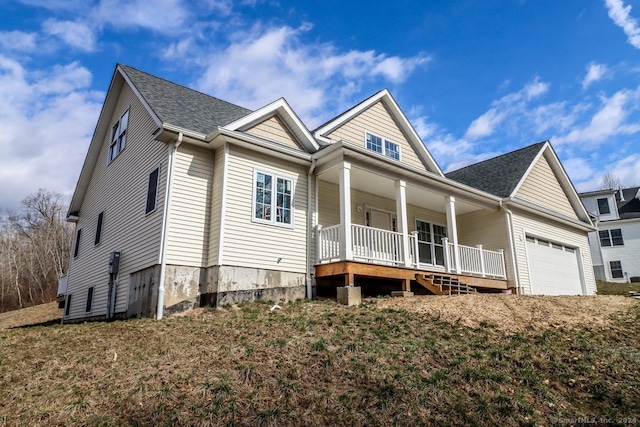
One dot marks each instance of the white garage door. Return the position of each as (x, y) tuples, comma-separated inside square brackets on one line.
[(553, 268)]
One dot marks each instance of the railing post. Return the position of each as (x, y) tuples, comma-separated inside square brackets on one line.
[(447, 260), (416, 255), (504, 265), (318, 243), (482, 270)]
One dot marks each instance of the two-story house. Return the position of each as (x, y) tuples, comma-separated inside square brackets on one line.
[(186, 200), (615, 247)]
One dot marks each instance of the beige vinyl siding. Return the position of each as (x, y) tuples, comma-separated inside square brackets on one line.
[(487, 228), (120, 190), (188, 238), (274, 129), (541, 187), (329, 207), (526, 223), (378, 121), (216, 206), (256, 245)]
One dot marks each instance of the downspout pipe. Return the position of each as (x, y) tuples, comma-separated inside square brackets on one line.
[(309, 229), (173, 147), (512, 252)]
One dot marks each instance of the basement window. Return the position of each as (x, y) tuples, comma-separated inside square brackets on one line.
[(616, 269), (89, 300), (67, 305)]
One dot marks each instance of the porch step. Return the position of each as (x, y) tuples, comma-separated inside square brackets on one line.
[(444, 285)]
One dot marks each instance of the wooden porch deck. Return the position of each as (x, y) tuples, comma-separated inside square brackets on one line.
[(351, 269)]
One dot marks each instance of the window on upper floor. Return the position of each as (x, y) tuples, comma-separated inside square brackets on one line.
[(611, 237), (272, 199), (76, 247), (152, 190), (603, 206), (118, 136), (616, 269), (382, 146), (99, 229)]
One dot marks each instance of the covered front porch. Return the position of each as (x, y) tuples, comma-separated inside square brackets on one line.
[(374, 224)]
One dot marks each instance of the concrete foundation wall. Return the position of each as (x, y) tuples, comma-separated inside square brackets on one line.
[(182, 287)]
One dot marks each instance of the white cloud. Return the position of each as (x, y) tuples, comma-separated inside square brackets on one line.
[(595, 72), (261, 65), (75, 34), (509, 106), (626, 169), (621, 15), (17, 41), (164, 16), (48, 118), (607, 122)]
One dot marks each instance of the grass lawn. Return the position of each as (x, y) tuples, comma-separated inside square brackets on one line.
[(319, 363), (610, 288)]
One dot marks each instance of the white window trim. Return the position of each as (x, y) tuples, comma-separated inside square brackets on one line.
[(433, 242), (155, 204), (116, 137), (611, 269), (369, 208), (384, 147), (611, 244), (275, 177)]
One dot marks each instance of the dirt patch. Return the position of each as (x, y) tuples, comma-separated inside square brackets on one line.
[(516, 313), (43, 313)]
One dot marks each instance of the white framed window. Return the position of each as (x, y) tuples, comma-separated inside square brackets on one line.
[(616, 269), (382, 146), (611, 237), (603, 206), (118, 136), (152, 190), (430, 245), (272, 198)]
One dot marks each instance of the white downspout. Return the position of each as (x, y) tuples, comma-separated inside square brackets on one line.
[(165, 224), (309, 230), (511, 238)]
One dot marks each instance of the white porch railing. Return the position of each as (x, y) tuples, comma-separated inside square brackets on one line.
[(475, 260), (381, 246)]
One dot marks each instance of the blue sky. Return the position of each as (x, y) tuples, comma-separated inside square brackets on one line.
[(476, 78)]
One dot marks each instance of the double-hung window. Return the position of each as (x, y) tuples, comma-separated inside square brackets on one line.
[(118, 136), (616, 269), (611, 237), (603, 206), (272, 199), (382, 146)]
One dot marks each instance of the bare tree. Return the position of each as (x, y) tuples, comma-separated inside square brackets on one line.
[(610, 182), (34, 250)]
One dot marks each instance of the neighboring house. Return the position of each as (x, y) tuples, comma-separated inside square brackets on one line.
[(615, 247), (185, 199)]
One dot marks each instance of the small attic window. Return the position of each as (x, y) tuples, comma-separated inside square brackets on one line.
[(603, 206), (382, 146), (118, 136)]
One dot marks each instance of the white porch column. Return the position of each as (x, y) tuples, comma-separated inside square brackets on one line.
[(346, 246), (452, 230), (402, 219)]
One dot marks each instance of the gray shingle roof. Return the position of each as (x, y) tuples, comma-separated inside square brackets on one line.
[(630, 207), (500, 175), (181, 106)]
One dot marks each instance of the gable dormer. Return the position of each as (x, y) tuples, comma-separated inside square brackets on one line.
[(379, 126)]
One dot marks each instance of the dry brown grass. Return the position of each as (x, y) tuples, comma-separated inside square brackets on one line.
[(35, 315), (317, 364), (516, 313)]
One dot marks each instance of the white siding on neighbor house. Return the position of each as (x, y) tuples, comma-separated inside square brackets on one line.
[(591, 205), (489, 229), (256, 245), (188, 238), (541, 187), (528, 224), (216, 206), (120, 190), (628, 254), (329, 209), (274, 129), (378, 121)]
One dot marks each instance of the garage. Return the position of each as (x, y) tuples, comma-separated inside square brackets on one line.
[(553, 268)]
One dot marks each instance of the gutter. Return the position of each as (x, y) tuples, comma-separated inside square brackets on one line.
[(511, 239), (173, 147), (309, 230)]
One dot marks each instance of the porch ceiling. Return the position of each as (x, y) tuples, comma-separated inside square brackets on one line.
[(371, 182)]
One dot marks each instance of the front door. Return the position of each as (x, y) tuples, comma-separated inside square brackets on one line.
[(381, 219)]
